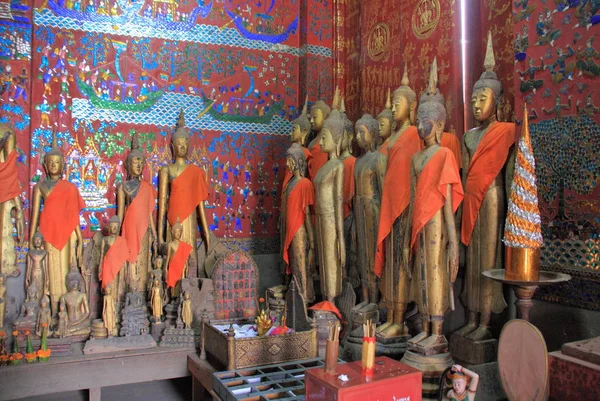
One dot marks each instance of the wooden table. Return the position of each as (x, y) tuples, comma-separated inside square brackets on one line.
[(202, 372), (92, 372)]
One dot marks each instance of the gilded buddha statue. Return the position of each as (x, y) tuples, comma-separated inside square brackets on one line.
[(319, 112), (58, 223), (9, 201), (402, 145), (488, 161), (329, 212), (182, 190), (369, 176), (386, 124)]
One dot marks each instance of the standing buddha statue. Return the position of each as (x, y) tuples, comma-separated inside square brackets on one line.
[(58, 223), (386, 125), (9, 200), (369, 176), (488, 160), (401, 147), (136, 200), (300, 130), (297, 233), (319, 112), (182, 191), (329, 219)]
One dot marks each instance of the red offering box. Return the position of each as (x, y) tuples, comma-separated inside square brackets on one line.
[(391, 381)]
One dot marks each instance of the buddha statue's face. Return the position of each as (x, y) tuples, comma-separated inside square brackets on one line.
[(364, 137), (427, 126), (54, 165), (483, 103), (177, 231), (113, 227), (385, 127), (400, 108), (107, 290), (136, 166), (72, 285), (316, 120), (180, 147), (327, 142), (297, 134), (37, 241)]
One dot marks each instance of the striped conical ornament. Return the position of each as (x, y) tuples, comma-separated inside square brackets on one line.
[(523, 227)]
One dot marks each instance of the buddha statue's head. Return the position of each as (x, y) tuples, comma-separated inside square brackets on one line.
[(107, 290), (348, 136), (38, 240), (487, 91), (301, 126), (433, 94), (114, 224), (386, 119), (367, 132), (404, 101), (135, 159), (180, 141), (319, 112), (332, 133), (431, 119), (74, 279), (54, 160), (296, 159), (177, 230), (44, 302)]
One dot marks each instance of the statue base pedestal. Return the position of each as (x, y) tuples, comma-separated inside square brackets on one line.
[(156, 330), (467, 351), (117, 344), (180, 338), (432, 367), (171, 314), (393, 347), (59, 346), (363, 312), (429, 351), (98, 329)]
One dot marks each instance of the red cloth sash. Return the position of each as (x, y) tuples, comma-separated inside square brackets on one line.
[(451, 142), (486, 164), (288, 176), (60, 215), (135, 223), (113, 261), (299, 198), (430, 194), (349, 163), (319, 158), (187, 191), (9, 186), (396, 188), (177, 263), (383, 149)]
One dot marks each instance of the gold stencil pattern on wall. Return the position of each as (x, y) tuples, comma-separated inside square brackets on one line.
[(425, 18), (379, 42)]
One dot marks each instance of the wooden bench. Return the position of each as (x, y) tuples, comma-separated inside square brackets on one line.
[(92, 372)]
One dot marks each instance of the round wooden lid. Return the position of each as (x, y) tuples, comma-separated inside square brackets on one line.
[(523, 362)]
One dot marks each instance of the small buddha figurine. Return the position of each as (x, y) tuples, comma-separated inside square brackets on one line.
[(37, 266), (109, 312), (182, 191), (63, 321), (300, 130), (77, 306), (488, 165), (178, 254), (9, 201), (2, 298), (386, 125), (44, 315), (319, 112), (329, 213), (113, 262), (401, 146), (436, 192), (136, 200), (58, 223), (297, 232), (369, 176), (186, 311), (156, 300)]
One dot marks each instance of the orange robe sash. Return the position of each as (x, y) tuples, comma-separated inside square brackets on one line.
[(288, 176), (60, 215), (486, 164), (450, 141), (430, 193), (396, 188), (177, 263), (299, 198), (349, 163), (9, 186), (319, 158), (187, 191), (136, 221), (113, 261)]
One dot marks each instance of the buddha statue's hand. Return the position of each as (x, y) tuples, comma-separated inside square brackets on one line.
[(20, 229), (453, 261), (406, 258), (79, 253), (341, 251), (311, 257)]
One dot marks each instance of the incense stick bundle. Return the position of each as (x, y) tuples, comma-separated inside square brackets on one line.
[(368, 349)]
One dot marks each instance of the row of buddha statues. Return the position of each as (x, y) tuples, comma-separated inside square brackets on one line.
[(391, 222), (130, 268)]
